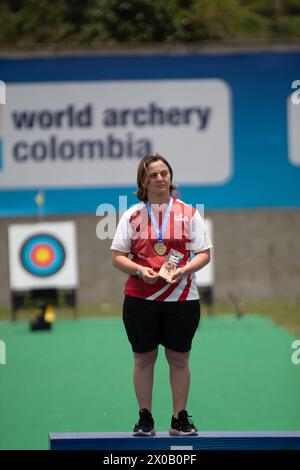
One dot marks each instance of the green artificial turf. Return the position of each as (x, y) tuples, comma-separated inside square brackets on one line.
[(78, 377)]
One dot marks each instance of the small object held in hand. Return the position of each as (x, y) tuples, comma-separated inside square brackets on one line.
[(170, 265)]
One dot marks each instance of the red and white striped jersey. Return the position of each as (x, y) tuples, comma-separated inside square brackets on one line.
[(185, 232)]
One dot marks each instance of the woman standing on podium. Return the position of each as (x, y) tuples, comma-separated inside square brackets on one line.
[(157, 311)]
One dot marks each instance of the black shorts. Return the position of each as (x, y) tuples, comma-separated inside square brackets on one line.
[(149, 323)]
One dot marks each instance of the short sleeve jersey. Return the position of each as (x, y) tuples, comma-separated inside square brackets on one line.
[(185, 232)]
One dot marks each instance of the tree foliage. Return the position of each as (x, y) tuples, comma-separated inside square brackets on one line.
[(98, 22)]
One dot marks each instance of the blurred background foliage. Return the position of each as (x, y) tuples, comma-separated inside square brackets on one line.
[(27, 23)]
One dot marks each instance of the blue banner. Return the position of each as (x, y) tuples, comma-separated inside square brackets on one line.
[(264, 169)]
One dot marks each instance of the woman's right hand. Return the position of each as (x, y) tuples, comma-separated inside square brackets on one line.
[(148, 275)]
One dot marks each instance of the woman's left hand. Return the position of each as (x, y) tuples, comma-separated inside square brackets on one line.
[(177, 276)]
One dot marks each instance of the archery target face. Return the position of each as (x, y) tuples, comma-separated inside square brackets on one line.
[(43, 255)]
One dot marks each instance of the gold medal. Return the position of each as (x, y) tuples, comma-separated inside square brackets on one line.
[(160, 249), (159, 246)]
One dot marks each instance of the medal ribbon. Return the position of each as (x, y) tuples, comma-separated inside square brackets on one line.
[(160, 232)]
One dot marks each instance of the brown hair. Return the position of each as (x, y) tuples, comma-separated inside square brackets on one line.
[(142, 175)]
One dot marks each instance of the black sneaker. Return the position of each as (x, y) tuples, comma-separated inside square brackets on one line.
[(145, 426), (182, 426)]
